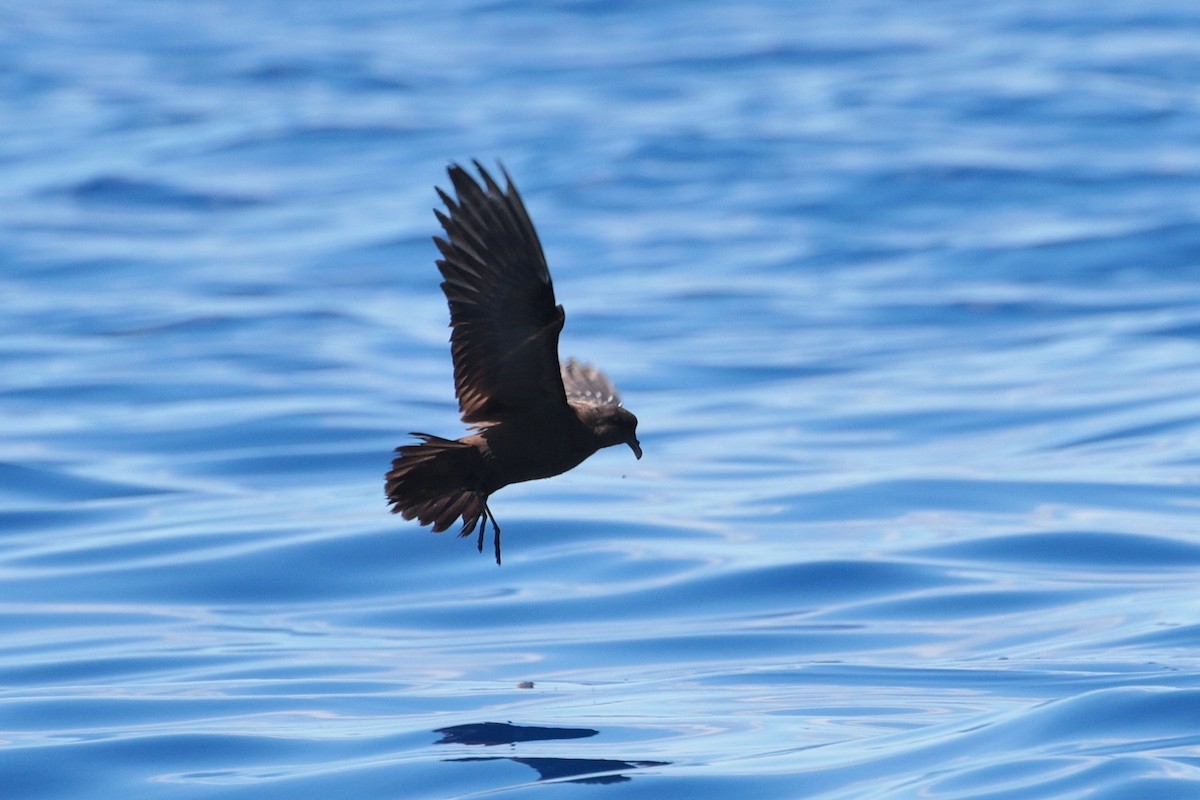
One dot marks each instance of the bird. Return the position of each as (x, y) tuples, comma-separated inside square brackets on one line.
[(533, 416)]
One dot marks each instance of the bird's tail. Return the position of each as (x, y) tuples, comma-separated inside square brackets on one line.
[(429, 482)]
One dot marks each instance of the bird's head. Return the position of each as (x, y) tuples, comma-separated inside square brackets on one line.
[(614, 425)]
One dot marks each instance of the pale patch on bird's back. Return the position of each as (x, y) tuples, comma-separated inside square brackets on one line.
[(586, 384)]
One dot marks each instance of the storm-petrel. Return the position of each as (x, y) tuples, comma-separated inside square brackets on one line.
[(534, 417)]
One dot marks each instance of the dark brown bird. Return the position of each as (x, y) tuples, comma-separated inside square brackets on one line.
[(534, 418)]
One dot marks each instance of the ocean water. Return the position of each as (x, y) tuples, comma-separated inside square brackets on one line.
[(905, 296)]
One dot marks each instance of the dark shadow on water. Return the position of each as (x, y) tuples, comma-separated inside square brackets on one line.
[(593, 770), (596, 770), (492, 733)]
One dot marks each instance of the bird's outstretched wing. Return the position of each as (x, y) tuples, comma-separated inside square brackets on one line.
[(502, 309), (586, 384)]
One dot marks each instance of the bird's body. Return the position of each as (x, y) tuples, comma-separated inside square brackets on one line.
[(535, 418)]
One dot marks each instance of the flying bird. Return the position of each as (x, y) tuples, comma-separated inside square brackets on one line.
[(533, 417)]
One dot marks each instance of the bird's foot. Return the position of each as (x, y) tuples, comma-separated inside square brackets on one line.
[(487, 514)]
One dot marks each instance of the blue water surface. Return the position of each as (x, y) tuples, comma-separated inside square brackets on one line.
[(905, 296)]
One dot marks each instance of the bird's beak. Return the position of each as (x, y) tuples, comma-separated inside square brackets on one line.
[(635, 446)]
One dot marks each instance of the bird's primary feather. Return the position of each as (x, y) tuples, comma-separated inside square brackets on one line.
[(502, 310)]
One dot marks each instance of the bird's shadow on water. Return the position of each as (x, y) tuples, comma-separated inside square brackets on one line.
[(572, 770)]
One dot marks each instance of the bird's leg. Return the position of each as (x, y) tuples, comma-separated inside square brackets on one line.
[(487, 514)]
